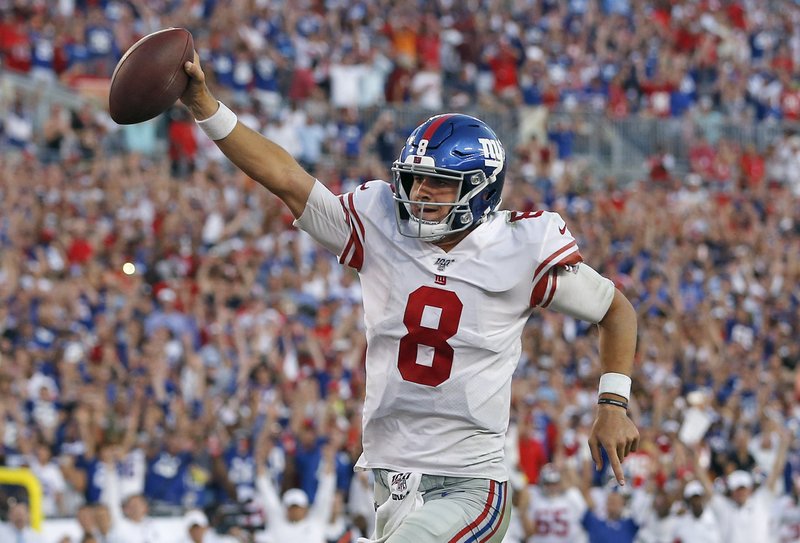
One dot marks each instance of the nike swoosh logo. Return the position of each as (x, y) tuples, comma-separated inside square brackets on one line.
[(563, 229), (448, 492)]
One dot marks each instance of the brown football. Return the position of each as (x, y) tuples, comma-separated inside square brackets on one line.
[(149, 77)]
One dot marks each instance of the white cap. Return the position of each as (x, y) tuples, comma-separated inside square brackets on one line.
[(73, 352), (166, 295), (295, 496), (739, 479), (694, 180), (195, 517), (692, 489)]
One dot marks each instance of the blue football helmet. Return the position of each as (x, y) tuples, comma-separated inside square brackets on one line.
[(458, 148)]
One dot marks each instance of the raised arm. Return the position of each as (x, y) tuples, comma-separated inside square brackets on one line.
[(111, 494), (326, 491), (699, 471), (585, 484), (270, 498), (261, 159), (780, 460)]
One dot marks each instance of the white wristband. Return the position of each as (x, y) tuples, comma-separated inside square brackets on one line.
[(220, 124), (615, 383)]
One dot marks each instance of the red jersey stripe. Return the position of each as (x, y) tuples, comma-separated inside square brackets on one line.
[(567, 255), (355, 214), (357, 259), (553, 285), (539, 291)]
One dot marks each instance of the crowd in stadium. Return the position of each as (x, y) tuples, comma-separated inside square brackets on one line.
[(170, 344), (621, 57)]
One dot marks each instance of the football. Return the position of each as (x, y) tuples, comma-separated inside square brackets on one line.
[(149, 77)]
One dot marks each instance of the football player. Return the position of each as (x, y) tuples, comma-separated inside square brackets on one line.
[(448, 284), (556, 508)]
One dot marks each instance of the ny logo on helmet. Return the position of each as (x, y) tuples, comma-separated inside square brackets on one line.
[(493, 153)]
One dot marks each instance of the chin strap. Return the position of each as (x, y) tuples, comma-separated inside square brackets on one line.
[(430, 231)]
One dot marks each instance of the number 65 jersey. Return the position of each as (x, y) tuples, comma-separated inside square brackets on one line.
[(443, 328)]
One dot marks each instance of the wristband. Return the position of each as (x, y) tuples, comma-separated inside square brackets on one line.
[(220, 124), (609, 401), (615, 383)]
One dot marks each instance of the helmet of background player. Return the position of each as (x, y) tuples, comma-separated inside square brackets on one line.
[(458, 148), (549, 475)]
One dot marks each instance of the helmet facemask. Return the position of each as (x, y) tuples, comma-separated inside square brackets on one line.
[(459, 218)]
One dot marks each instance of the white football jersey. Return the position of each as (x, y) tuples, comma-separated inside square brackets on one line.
[(557, 519), (443, 329)]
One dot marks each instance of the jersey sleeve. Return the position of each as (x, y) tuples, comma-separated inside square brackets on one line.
[(324, 219), (558, 249), (353, 253), (335, 223), (368, 213)]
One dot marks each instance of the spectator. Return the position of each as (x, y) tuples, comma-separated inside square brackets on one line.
[(130, 523), (18, 126), (346, 77), (615, 526), (18, 528), (199, 530), (426, 86), (384, 137), (291, 517), (398, 83), (698, 524), (182, 144), (55, 133), (658, 521), (167, 469), (47, 470), (745, 514), (504, 63)]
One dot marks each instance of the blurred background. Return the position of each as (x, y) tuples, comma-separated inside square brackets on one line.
[(160, 313)]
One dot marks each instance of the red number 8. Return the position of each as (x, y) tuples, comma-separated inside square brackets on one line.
[(439, 371)]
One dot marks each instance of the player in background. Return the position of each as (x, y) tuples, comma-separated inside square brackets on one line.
[(448, 284), (556, 508)]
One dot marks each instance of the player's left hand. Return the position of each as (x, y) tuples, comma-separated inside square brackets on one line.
[(616, 433)]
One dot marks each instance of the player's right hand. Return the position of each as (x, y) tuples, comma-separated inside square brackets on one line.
[(197, 97)]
